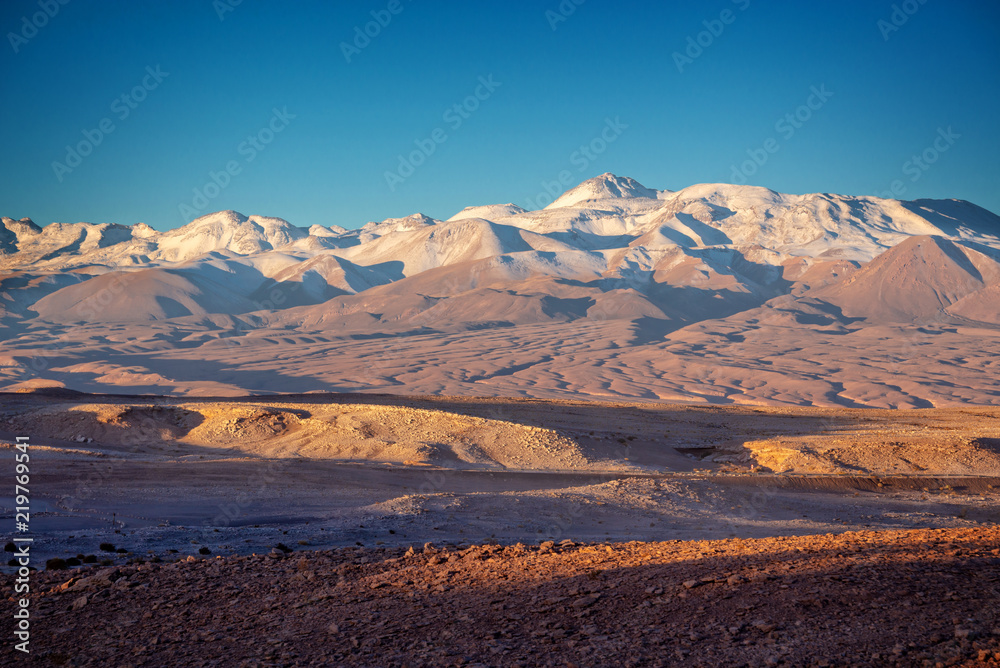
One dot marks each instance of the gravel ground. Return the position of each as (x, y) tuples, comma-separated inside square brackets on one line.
[(928, 597)]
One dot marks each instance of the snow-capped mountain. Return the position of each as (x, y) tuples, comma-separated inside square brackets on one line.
[(605, 187), (733, 240), (59, 246), (608, 250), (494, 212)]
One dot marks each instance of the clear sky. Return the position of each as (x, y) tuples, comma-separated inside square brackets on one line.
[(159, 96)]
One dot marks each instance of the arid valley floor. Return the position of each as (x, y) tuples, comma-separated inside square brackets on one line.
[(561, 532)]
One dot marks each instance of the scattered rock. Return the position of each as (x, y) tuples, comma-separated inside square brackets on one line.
[(586, 601), (518, 609)]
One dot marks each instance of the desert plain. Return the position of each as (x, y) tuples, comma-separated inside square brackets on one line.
[(370, 529)]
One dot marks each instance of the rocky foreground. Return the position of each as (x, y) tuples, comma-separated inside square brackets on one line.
[(894, 598)]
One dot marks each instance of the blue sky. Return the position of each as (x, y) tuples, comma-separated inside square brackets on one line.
[(266, 91)]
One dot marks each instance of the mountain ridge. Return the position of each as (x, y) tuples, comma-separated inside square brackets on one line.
[(607, 292)]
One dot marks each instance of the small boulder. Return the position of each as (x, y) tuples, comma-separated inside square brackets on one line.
[(764, 627), (586, 601)]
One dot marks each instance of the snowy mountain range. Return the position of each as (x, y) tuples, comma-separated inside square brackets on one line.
[(607, 251)]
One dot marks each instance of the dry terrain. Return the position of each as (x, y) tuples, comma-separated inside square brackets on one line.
[(238, 475), (563, 533), (895, 598)]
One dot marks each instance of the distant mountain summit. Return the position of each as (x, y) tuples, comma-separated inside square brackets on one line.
[(14, 232), (494, 212), (605, 186), (225, 230)]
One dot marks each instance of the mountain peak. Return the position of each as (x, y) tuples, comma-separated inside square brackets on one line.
[(227, 216), (412, 222), (493, 212), (605, 186), (228, 230), (24, 225), (143, 231)]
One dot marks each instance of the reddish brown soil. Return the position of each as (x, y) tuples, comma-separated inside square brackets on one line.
[(903, 598)]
